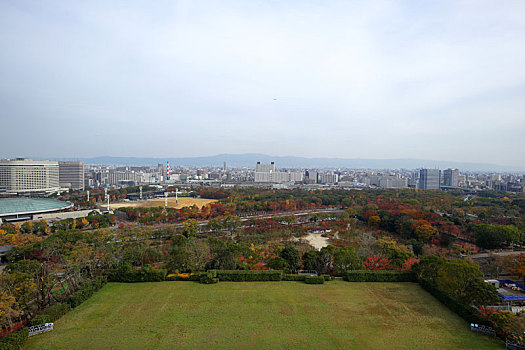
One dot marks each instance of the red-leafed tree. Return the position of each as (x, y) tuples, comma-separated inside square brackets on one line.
[(377, 263), (408, 263)]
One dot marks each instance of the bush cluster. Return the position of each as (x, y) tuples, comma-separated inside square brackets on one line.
[(14, 341), (51, 313), (146, 274), (327, 277), (248, 275), (379, 276), (86, 291), (314, 280), (209, 277)]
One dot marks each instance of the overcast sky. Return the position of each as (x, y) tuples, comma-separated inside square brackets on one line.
[(355, 79)]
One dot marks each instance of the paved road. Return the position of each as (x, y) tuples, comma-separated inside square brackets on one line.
[(504, 253)]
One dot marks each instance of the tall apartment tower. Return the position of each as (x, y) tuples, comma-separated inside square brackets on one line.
[(265, 168), (451, 177), (429, 179), (71, 175), (26, 176)]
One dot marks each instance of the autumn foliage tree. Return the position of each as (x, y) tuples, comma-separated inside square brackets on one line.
[(377, 263)]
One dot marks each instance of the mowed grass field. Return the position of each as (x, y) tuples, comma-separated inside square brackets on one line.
[(261, 315), (172, 203)]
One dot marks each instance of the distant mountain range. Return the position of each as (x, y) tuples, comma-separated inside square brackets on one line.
[(250, 159)]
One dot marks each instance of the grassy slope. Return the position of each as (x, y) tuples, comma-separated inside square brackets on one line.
[(279, 315)]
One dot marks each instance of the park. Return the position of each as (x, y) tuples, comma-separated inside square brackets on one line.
[(261, 315)]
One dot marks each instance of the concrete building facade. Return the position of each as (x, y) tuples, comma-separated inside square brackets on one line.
[(71, 175), (430, 179), (27, 176), (451, 177)]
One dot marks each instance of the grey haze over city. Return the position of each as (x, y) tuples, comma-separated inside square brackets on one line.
[(432, 80)]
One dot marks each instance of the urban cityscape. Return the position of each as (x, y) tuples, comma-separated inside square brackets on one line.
[(262, 175)]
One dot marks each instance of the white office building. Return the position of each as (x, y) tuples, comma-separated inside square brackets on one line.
[(27, 176)]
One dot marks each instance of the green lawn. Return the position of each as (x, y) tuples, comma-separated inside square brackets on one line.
[(261, 315)]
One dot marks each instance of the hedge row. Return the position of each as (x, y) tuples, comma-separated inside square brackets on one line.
[(314, 280), (248, 275), (292, 277), (467, 312), (51, 313), (146, 274), (14, 341), (86, 291), (379, 276)]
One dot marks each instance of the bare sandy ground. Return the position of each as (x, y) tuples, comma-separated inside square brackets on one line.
[(315, 240)]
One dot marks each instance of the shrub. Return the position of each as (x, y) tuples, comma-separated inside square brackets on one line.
[(128, 274), (326, 277), (86, 291), (14, 341), (209, 278), (379, 276), (51, 314), (314, 280), (248, 275)]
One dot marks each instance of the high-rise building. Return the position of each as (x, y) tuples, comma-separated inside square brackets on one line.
[(267, 173), (451, 177), (264, 168), (429, 179), (71, 175), (25, 175)]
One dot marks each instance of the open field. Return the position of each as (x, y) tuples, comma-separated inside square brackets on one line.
[(183, 202), (261, 315)]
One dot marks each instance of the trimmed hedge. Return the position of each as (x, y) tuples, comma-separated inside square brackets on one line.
[(51, 313), (292, 277), (467, 312), (249, 276), (379, 276), (327, 277), (209, 278), (86, 291), (146, 274), (14, 341), (314, 280)]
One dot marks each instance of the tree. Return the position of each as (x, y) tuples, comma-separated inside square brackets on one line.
[(463, 280), (377, 263), (427, 268), (424, 230), (292, 257), (515, 264), (346, 258), (190, 227), (8, 309), (310, 260), (495, 236), (277, 263), (374, 221)]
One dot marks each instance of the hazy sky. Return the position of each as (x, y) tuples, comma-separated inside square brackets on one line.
[(355, 79)]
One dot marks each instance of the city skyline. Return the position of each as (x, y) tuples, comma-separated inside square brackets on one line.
[(375, 80)]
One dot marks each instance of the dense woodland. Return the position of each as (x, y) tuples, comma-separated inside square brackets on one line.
[(431, 233)]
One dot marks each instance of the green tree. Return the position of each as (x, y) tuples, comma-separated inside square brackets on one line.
[(292, 257), (427, 268), (346, 258), (463, 280)]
